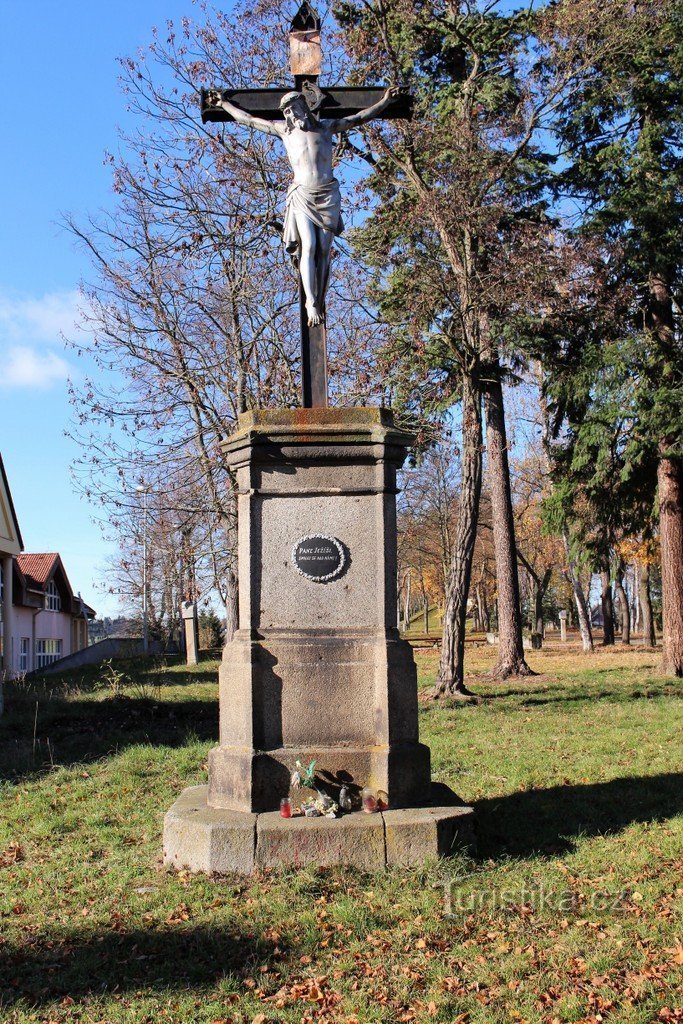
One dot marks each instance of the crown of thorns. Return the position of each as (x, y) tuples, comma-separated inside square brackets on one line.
[(289, 98)]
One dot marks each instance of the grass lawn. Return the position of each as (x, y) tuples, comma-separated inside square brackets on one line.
[(571, 910)]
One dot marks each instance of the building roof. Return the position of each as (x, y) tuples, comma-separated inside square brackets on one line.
[(37, 569)]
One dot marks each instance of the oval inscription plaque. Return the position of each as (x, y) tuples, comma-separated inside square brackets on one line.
[(318, 557)]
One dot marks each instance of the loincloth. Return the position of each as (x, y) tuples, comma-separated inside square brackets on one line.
[(322, 206)]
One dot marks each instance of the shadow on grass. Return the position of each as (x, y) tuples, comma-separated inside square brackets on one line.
[(79, 964), (69, 732), (618, 695), (548, 821), (152, 671), (568, 693)]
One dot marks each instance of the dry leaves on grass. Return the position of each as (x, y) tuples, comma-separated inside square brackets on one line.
[(180, 914), (677, 953), (12, 855), (308, 990)]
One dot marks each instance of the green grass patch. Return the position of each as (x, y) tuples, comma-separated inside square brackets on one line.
[(570, 912)]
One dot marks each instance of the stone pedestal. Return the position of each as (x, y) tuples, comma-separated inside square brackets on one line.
[(190, 626), (316, 670), (563, 625)]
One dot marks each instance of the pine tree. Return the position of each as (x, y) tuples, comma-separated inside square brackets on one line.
[(622, 135)]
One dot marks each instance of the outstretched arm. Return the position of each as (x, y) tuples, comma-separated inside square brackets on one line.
[(343, 124), (214, 99)]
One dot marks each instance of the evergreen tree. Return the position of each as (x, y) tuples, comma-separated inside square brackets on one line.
[(622, 134)]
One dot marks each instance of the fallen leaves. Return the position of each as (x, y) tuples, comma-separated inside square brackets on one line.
[(180, 914), (307, 990), (676, 953), (12, 855)]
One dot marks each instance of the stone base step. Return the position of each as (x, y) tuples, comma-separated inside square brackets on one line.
[(200, 838)]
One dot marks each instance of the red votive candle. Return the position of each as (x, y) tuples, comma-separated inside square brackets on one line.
[(369, 801), (285, 807)]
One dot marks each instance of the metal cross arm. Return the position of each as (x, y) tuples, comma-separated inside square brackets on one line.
[(342, 101)]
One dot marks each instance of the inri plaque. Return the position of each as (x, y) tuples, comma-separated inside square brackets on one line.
[(319, 558)]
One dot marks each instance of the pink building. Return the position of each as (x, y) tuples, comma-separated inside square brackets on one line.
[(42, 619), (49, 621)]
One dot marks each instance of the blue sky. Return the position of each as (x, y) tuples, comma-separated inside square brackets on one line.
[(59, 113)]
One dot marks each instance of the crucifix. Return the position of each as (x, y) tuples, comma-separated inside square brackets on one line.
[(306, 119)]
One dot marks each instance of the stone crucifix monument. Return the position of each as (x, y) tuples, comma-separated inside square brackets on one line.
[(315, 673)]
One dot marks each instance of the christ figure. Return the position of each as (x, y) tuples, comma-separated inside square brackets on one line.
[(313, 210)]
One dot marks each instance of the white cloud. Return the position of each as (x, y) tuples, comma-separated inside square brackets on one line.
[(30, 326), (39, 318), (26, 368)]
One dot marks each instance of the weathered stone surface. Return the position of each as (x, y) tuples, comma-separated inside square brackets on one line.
[(246, 780), (418, 834), (199, 838), (356, 839), (280, 677), (317, 671)]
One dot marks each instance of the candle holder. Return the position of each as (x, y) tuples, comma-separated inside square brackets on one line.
[(345, 799), (369, 801), (285, 807)]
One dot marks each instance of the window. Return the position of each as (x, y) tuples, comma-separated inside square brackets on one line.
[(53, 602), (47, 651), (24, 648)]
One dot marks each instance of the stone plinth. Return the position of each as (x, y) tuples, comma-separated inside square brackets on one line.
[(316, 671), (199, 838)]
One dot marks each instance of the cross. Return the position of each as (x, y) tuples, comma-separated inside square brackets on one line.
[(327, 111)]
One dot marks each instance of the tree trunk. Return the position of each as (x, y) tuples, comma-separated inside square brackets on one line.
[(425, 614), (511, 661), (406, 604), (660, 319), (537, 586), (648, 618), (623, 606), (450, 679), (482, 607), (636, 600), (607, 609), (582, 612), (538, 613), (670, 481)]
